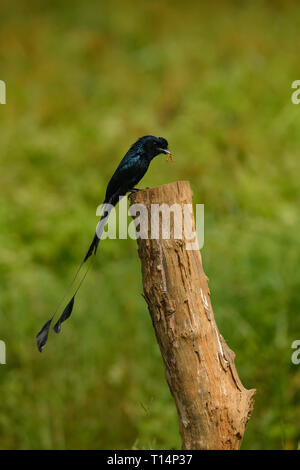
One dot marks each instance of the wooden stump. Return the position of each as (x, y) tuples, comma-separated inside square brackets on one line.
[(213, 406)]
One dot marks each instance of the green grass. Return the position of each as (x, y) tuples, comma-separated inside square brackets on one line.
[(84, 80)]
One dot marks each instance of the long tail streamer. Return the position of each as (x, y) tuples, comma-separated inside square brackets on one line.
[(42, 336)]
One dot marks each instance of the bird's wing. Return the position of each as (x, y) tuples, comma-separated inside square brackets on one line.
[(128, 173)]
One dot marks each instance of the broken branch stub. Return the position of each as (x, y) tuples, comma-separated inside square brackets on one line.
[(213, 405)]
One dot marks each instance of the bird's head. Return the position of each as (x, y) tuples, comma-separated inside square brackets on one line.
[(153, 146)]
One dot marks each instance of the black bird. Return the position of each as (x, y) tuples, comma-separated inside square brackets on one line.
[(129, 172)]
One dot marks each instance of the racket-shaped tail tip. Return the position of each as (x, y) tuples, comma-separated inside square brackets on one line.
[(64, 316), (42, 336), (57, 328)]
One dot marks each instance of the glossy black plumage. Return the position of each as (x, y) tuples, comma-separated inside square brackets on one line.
[(130, 171)]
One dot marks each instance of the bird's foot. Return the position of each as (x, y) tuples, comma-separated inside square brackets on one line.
[(134, 190)]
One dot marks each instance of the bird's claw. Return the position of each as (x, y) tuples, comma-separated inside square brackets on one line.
[(134, 190)]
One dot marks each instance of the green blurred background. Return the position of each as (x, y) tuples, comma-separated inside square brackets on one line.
[(85, 80)]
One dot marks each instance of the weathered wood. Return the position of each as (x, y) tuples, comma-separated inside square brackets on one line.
[(213, 406)]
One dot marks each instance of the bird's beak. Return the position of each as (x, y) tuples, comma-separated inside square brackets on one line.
[(168, 153)]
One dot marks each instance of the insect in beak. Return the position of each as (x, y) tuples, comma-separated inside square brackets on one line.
[(168, 153)]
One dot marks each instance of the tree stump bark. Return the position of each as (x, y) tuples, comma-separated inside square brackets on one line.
[(212, 404)]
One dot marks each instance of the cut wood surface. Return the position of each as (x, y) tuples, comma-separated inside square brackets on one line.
[(212, 404)]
